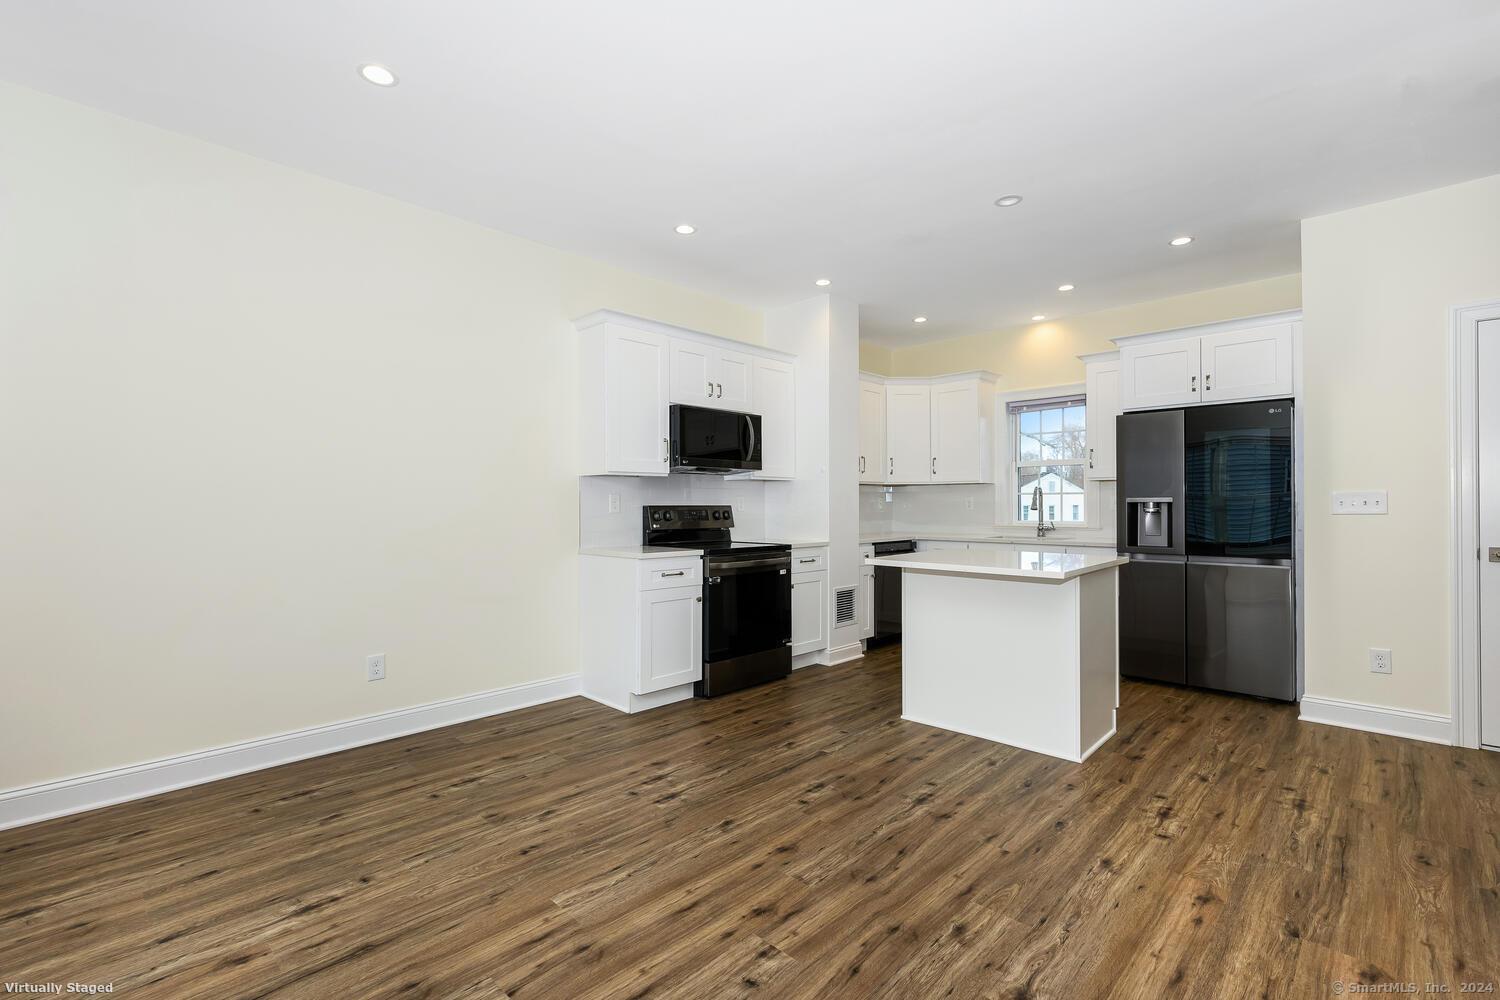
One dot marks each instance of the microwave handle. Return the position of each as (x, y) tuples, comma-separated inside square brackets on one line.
[(749, 427)]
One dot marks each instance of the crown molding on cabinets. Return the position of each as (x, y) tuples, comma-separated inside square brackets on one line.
[(601, 316), (979, 373), (1223, 326)]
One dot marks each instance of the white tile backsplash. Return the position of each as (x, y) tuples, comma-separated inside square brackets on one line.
[(884, 509), (597, 526)]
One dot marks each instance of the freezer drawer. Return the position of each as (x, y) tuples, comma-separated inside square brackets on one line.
[(1151, 620), (1241, 629)]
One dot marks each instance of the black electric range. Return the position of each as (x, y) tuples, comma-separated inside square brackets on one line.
[(747, 596)]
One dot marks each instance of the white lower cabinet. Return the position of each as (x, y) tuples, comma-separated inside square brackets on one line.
[(671, 639), (866, 593), (809, 611), (641, 641)]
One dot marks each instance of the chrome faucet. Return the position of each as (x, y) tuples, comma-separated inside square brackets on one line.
[(1042, 527)]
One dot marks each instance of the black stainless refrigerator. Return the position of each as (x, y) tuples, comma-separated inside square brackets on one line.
[(1206, 513)]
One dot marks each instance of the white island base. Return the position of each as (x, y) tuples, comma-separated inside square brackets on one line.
[(1029, 660)]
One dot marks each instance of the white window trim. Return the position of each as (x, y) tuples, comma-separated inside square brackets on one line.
[(1005, 477)]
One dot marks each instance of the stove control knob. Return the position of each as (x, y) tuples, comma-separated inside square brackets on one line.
[(718, 515), (667, 516)]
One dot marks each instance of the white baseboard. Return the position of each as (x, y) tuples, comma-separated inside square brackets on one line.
[(843, 654), (34, 803), (1426, 726)]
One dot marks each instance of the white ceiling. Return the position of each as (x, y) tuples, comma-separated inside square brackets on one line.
[(859, 140)]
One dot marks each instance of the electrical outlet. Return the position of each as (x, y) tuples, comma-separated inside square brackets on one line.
[(1357, 502), (375, 667), (1380, 661), (614, 503)]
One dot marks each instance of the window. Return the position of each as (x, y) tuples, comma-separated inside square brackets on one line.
[(1049, 451)]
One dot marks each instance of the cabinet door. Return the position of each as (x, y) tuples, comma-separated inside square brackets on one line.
[(692, 373), (866, 602), (908, 433), (733, 377), (1160, 374), (872, 465), (956, 433), (775, 385), (1102, 386), (635, 403), (1247, 364), (809, 612), (671, 638)]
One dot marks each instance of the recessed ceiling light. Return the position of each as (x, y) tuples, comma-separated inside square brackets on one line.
[(1064, 288), (822, 282), (686, 230), (920, 319), (1182, 241), (1008, 200), (1038, 318), (377, 74)]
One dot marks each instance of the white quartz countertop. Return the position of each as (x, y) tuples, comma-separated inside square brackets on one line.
[(641, 552), (1018, 537), (1015, 562)]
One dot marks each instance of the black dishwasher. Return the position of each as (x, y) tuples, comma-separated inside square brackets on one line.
[(888, 592)]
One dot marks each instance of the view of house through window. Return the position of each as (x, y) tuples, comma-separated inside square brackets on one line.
[(1050, 452)]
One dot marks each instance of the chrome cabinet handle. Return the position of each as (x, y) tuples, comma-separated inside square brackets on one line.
[(813, 559), (1091, 458), (1208, 386), (1194, 384), (934, 466), (721, 389), (678, 573), (893, 465), (665, 455), (710, 390), (861, 465)]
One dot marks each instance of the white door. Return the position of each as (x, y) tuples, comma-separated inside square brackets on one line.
[(872, 432), (775, 388), (1102, 386), (1247, 364), (809, 612), (635, 402), (955, 432), (1164, 373), (671, 638), (733, 380), (1489, 533), (692, 380), (908, 433)]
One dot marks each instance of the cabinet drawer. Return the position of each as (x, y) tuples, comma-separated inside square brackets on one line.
[(658, 576), (809, 560)]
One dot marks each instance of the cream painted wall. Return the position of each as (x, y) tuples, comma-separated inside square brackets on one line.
[(1046, 354), (874, 358), (255, 425), (1378, 283)]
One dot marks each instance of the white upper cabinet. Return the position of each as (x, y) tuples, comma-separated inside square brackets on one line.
[(960, 431), (1163, 373), (775, 400), (926, 430), (623, 429), (634, 369), (1247, 364), (872, 464), (908, 433), (705, 375), (1102, 386), (1244, 359)]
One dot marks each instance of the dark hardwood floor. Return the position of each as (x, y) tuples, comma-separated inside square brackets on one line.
[(794, 841)]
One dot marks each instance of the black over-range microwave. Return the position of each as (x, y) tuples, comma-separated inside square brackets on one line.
[(715, 442)]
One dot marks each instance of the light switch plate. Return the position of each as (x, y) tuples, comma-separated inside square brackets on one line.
[(1357, 502)]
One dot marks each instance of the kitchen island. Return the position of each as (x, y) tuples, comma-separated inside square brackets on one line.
[(1011, 644)]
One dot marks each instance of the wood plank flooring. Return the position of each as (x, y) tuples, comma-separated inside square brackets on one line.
[(798, 840)]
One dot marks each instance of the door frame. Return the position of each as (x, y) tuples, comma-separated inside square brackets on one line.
[(1464, 432)]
